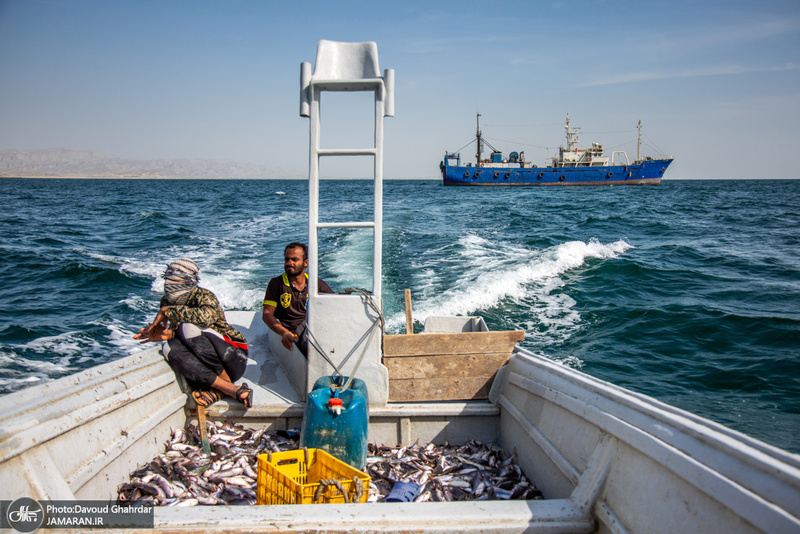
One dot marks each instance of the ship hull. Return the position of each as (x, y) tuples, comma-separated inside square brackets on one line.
[(648, 172)]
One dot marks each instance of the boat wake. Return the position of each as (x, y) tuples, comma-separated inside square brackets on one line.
[(523, 288)]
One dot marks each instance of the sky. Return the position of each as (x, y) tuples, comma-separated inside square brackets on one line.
[(715, 83)]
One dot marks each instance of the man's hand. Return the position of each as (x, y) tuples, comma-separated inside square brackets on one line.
[(288, 339), (154, 332)]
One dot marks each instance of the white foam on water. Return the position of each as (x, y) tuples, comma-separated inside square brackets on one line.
[(493, 273), (425, 280), (97, 256), (120, 335), (67, 344), (138, 303), (350, 262), (124, 264), (232, 284), (63, 354), (231, 290), (570, 361), (60, 351)]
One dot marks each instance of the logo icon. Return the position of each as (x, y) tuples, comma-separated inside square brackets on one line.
[(25, 515), (286, 300)]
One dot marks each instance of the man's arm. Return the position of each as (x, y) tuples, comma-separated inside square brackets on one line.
[(268, 316)]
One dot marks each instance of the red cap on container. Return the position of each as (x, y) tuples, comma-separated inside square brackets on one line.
[(334, 402)]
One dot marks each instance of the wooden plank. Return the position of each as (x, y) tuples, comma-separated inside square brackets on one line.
[(201, 422), (439, 389), (459, 343), (409, 320), (446, 365)]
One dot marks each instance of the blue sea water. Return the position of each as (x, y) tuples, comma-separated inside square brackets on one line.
[(688, 292)]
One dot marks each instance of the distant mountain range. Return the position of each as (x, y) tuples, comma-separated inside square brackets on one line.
[(66, 162)]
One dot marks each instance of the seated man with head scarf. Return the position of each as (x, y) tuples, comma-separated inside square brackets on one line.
[(199, 344)]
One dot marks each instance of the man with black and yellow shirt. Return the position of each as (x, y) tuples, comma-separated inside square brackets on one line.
[(286, 298)]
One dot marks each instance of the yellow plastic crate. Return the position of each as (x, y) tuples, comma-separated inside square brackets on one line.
[(295, 477)]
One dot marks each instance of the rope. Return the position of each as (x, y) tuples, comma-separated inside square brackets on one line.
[(358, 489), (314, 343), (312, 340), (324, 483), (372, 330), (463, 147), (366, 296)]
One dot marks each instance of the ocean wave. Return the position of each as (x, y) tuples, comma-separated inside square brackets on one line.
[(18, 371), (529, 278), (151, 215)]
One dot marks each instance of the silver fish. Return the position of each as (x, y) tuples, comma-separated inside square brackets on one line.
[(473, 471), (183, 475)]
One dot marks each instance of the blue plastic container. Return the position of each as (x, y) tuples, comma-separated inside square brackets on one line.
[(342, 435)]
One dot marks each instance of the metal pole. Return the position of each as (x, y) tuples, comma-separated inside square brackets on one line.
[(313, 192)]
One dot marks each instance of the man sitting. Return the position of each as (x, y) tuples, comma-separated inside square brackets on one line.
[(286, 299)]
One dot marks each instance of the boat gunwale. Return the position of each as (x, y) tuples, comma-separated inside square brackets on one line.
[(667, 435)]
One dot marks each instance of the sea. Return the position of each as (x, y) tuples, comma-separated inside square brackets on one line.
[(688, 292)]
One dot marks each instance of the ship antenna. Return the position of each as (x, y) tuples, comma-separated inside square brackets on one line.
[(639, 143), (572, 137), (478, 141), (569, 140)]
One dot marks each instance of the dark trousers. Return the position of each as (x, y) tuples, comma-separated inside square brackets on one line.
[(201, 355)]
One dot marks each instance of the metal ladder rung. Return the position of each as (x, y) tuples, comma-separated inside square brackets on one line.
[(347, 152), (364, 84), (363, 224)]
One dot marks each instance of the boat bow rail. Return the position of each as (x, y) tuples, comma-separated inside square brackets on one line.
[(81, 435), (633, 462)]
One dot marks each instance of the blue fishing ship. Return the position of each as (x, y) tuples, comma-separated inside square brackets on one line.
[(572, 166)]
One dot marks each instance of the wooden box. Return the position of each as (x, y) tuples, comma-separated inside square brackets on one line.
[(445, 365)]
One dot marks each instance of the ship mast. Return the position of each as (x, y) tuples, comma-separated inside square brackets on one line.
[(639, 143), (572, 137), (479, 141)]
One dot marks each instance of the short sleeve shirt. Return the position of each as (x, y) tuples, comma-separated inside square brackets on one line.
[(290, 304)]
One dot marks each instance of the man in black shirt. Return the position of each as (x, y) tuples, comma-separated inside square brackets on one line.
[(286, 298)]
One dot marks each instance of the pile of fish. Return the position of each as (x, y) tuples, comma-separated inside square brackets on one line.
[(472, 472), (186, 476)]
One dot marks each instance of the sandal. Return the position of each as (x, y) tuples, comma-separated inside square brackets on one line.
[(240, 395), (206, 397)]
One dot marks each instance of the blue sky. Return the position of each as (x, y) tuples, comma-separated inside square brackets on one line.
[(716, 83)]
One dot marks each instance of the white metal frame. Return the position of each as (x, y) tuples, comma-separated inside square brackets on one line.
[(346, 328), (345, 67)]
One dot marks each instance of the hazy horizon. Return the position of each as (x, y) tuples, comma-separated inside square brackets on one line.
[(716, 84)]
